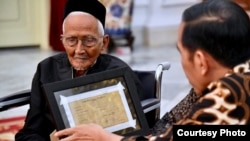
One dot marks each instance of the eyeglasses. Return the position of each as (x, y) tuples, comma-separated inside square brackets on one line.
[(72, 41)]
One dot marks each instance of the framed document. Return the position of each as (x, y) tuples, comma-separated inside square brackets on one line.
[(107, 98)]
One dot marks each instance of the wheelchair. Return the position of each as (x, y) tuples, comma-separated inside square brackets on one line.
[(151, 82)]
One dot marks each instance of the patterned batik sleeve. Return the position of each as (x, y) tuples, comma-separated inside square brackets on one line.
[(180, 111), (224, 103)]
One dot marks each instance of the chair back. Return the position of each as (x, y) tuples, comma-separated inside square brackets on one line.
[(148, 81)]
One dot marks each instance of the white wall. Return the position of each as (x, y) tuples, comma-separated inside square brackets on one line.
[(24, 23), (155, 22)]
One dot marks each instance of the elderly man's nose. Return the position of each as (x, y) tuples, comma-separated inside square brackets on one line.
[(80, 46)]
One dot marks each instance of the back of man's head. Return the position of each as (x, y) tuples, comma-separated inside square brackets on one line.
[(221, 28)]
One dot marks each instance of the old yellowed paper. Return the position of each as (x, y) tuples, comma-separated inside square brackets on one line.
[(107, 107), (105, 110)]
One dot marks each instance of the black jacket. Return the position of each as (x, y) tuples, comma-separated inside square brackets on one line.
[(39, 123)]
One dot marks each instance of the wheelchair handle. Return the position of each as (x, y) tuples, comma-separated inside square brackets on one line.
[(158, 77)]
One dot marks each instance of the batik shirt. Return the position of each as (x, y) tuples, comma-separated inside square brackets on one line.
[(224, 102)]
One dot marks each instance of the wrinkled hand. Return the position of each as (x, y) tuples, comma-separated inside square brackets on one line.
[(86, 132)]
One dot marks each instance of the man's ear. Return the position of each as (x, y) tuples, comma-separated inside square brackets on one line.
[(201, 62), (105, 43)]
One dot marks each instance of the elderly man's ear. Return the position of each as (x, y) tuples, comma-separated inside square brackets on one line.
[(104, 48)]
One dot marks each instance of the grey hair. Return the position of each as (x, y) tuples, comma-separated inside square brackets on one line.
[(100, 26)]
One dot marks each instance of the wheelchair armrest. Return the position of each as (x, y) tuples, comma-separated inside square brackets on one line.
[(14, 100), (150, 104)]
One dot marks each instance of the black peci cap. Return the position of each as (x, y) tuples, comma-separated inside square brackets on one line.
[(93, 7)]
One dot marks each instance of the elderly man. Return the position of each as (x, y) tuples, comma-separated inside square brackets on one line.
[(213, 41), (85, 44)]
